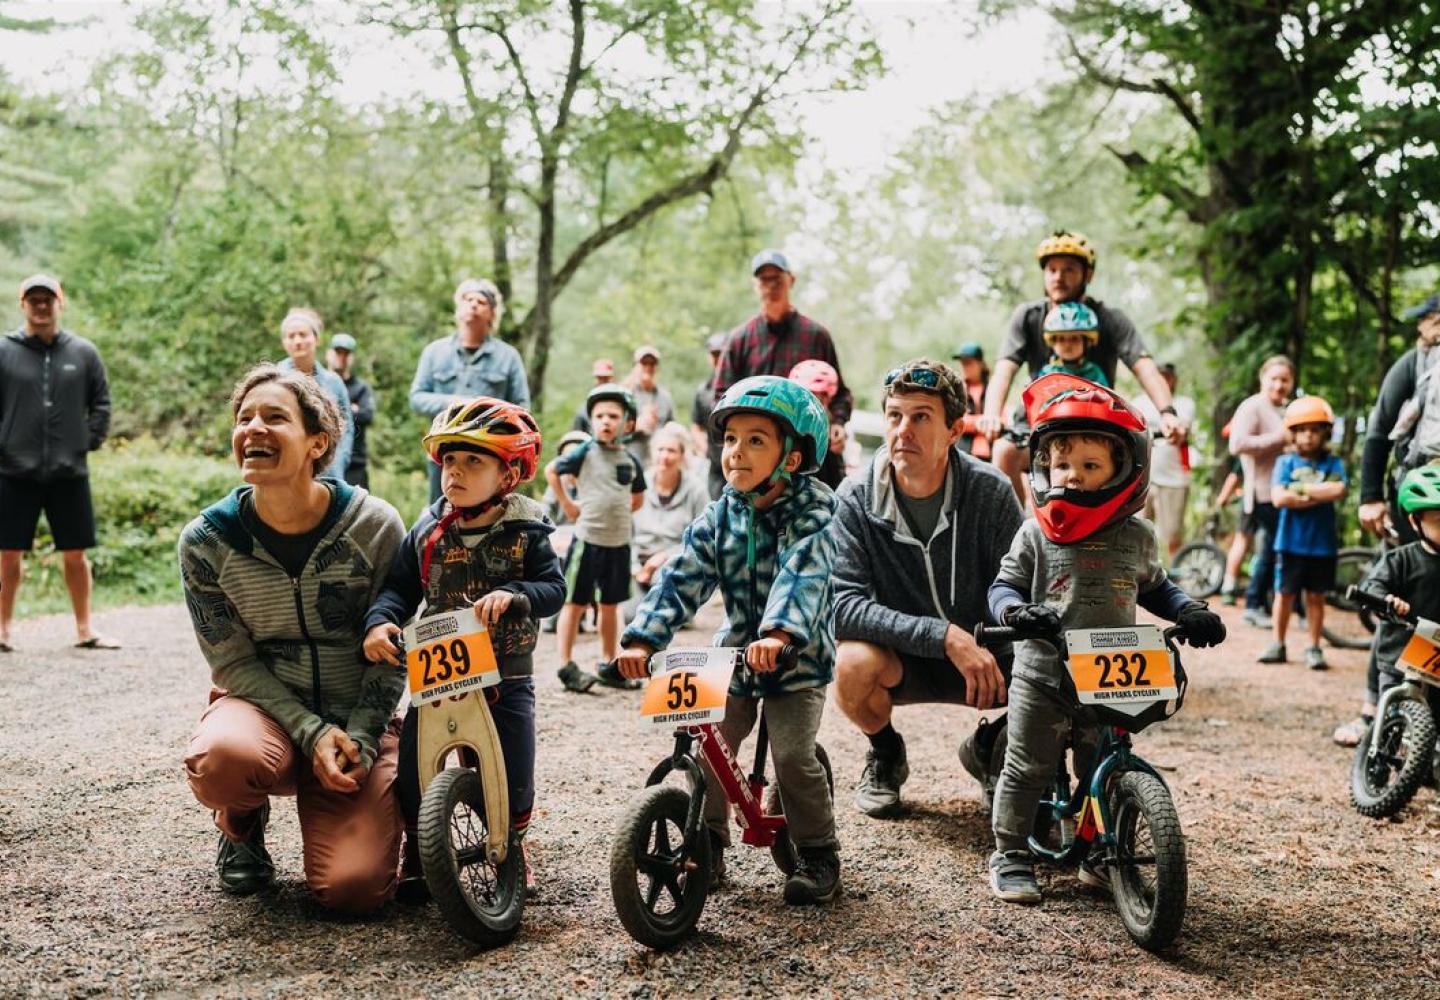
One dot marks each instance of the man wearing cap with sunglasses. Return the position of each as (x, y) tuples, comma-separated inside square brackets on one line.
[(918, 540), (470, 362), (778, 339), (54, 411), (340, 359)]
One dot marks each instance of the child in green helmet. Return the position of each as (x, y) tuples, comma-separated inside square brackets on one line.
[(1071, 329), (766, 545)]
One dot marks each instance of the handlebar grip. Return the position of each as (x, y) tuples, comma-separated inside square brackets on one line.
[(994, 635), (519, 607), (1379, 605), (789, 655)]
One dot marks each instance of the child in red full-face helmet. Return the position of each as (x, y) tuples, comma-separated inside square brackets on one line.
[(1086, 561)]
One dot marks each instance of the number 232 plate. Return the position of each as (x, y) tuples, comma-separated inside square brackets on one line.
[(448, 654), (1121, 668), (1422, 652), (688, 687)]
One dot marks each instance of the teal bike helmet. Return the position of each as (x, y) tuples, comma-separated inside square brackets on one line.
[(1072, 317), (1420, 490), (804, 422)]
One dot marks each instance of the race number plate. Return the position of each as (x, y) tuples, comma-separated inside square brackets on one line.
[(1422, 652), (1125, 669), (687, 688), (448, 654)]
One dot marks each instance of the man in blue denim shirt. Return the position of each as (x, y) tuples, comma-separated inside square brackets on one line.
[(469, 362)]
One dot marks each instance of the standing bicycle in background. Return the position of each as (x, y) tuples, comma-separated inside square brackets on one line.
[(1169, 467), (1258, 436)]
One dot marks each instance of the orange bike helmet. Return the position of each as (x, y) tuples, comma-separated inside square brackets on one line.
[(1065, 404), (1308, 410), (492, 425)]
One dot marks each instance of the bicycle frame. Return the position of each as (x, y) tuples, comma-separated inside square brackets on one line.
[(757, 828)]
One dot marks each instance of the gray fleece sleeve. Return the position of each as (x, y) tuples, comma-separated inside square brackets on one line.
[(858, 615)]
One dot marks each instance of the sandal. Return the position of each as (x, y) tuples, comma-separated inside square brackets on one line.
[(98, 642)]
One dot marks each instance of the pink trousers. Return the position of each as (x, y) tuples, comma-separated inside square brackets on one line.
[(239, 757)]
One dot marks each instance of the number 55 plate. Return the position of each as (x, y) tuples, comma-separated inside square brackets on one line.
[(687, 688), (448, 654), (1121, 668)]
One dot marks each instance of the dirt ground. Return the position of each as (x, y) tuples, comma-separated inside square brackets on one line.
[(109, 880)]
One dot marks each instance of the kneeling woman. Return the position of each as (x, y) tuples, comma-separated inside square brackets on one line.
[(277, 578)]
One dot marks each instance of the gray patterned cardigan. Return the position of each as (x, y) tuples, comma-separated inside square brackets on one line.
[(291, 647)]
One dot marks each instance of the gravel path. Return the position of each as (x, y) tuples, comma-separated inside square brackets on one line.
[(109, 862)]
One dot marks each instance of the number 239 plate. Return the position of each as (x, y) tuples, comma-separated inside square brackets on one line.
[(688, 687), (448, 654), (1422, 652), (1121, 668)]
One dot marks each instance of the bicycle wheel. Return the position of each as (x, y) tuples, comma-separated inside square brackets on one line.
[(1382, 785), (783, 850), (1149, 880), (1347, 625), (1199, 569), (657, 886), (482, 901)]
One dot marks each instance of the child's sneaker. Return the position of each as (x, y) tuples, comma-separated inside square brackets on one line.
[(530, 889), (1094, 874), (1012, 878), (1315, 658), (575, 679), (1227, 598), (1257, 617), (816, 878), (609, 675), (1274, 653)]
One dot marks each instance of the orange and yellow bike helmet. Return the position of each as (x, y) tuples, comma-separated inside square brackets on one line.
[(492, 425), (1066, 243)]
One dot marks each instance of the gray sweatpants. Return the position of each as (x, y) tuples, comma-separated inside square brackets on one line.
[(792, 721), (1039, 726)]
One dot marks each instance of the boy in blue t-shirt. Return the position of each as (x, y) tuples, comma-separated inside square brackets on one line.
[(1306, 484)]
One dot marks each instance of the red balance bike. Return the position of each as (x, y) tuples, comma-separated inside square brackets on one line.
[(660, 860)]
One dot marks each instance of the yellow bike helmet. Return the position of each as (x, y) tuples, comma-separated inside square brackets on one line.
[(1063, 242)]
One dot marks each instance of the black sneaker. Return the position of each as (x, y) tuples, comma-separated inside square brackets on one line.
[(816, 878), (610, 676), (1012, 878), (244, 866), (575, 679), (878, 793), (982, 755)]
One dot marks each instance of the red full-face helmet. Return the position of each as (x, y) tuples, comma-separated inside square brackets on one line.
[(1066, 404)]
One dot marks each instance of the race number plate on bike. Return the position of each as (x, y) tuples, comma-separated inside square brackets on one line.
[(448, 654), (687, 687), (1125, 669), (1422, 652)]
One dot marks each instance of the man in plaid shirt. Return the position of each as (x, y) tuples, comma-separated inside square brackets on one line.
[(775, 341)]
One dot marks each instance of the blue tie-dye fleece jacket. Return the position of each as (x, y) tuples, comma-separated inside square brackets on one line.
[(789, 589)]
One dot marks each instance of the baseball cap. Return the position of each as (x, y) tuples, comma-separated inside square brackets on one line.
[(342, 342), (969, 349), (715, 343), (480, 287), (602, 366), (646, 351), (770, 258), (45, 281), (1430, 305)]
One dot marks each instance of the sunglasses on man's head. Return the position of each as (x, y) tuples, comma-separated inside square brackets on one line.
[(926, 378)]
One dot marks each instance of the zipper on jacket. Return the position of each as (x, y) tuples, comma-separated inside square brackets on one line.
[(314, 651), (46, 406)]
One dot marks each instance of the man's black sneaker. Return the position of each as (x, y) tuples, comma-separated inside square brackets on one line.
[(816, 878), (244, 866), (982, 755), (611, 677), (575, 679), (878, 793)]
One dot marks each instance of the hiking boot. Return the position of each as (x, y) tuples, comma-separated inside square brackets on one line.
[(878, 794), (977, 756), (1315, 658), (717, 860), (1274, 653), (610, 676), (1349, 734), (575, 679), (1012, 878), (412, 889), (244, 866), (816, 878), (1094, 873), (1258, 617)]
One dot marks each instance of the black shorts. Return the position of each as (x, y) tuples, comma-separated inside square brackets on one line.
[(1293, 573), (592, 570), (67, 507), (924, 681)]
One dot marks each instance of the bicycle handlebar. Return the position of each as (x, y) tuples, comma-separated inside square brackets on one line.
[(993, 635), (519, 608), (1379, 605)]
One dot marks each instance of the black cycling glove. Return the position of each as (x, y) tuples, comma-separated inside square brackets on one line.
[(1201, 626), (1035, 619)]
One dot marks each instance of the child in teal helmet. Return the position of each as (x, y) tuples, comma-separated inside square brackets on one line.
[(766, 545), (1071, 329)]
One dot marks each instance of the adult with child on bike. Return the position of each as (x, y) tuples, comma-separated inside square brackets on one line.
[(1084, 561), (767, 545), (1258, 436), (918, 538), (277, 577), (1067, 262), (479, 546)]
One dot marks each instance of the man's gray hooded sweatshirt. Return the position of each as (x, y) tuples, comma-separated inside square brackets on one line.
[(292, 646), (902, 592)]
